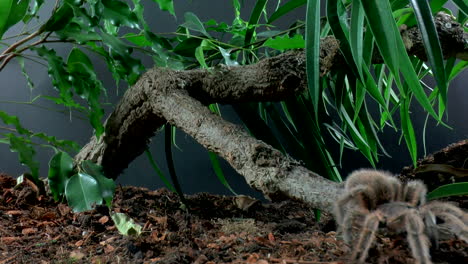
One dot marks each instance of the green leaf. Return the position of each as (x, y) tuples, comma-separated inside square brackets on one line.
[(462, 5), (125, 224), (453, 189), (60, 170), (356, 35), (11, 12), (159, 171), (192, 22), (59, 74), (312, 45), (392, 49), (74, 31), (13, 120), (433, 48), (285, 42), (286, 8), (408, 131), (253, 21), (118, 14), (121, 63), (166, 5), (86, 85), (219, 171), (137, 39), (457, 69), (60, 18), (25, 152), (25, 74), (82, 192), (200, 57), (106, 185)]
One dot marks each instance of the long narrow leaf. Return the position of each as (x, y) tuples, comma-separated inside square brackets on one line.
[(453, 189), (408, 131), (433, 47), (463, 5), (390, 44), (159, 171), (219, 172), (313, 51), (253, 21), (286, 8)]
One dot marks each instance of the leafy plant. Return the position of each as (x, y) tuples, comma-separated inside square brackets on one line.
[(378, 75), (83, 185)]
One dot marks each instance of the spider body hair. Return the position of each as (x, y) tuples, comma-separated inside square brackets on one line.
[(373, 197)]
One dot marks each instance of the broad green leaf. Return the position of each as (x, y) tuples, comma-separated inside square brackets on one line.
[(285, 42), (25, 152), (286, 8), (13, 120), (82, 192), (227, 57), (137, 39), (11, 12), (86, 85), (166, 5), (125, 224), (59, 74), (433, 48), (74, 31), (106, 185), (312, 45), (253, 20), (200, 57), (60, 170), (121, 63), (187, 47), (32, 12), (118, 13), (60, 18), (453, 189), (192, 22)]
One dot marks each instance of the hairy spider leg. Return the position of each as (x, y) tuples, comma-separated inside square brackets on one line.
[(418, 241), (455, 225), (348, 224), (455, 219), (415, 193), (367, 236), (355, 194), (443, 207)]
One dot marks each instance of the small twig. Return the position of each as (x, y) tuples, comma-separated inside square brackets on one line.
[(12, 55)]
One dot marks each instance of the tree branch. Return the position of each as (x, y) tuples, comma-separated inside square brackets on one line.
[(178, 97)]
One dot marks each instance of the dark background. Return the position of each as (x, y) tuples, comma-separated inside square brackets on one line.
[(192, 163)]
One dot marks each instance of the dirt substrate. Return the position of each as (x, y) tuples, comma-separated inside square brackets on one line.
[(35, 229)]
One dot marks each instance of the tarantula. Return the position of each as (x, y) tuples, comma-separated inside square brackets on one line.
[(373, 197)]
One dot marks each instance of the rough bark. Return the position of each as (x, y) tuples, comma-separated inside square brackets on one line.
[(178, 97)]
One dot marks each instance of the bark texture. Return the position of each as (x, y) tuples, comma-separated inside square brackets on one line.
[(179, 98)]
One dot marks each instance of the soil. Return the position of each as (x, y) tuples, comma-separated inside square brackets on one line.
[(216, 229)]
